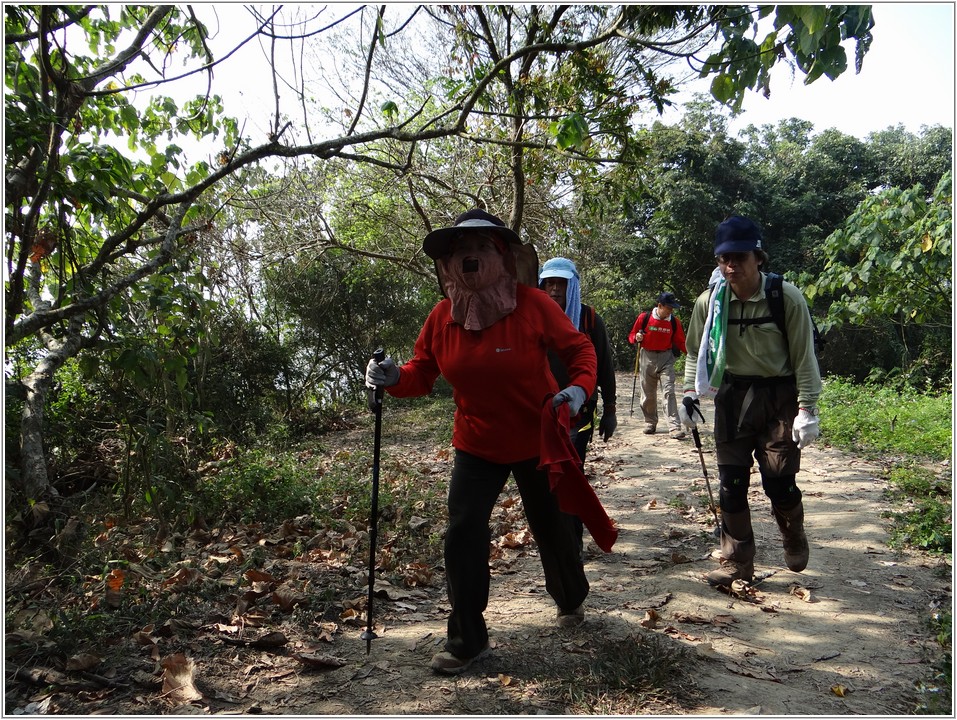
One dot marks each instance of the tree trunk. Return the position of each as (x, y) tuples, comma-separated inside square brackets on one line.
[(33, 465)]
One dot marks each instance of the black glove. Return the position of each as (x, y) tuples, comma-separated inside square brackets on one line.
[(608, 423)]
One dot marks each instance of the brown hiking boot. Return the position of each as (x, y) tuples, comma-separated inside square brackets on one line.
[(571, 618), (649, 429), (791, 525), (729, 572), (737, 549), (445, 663)]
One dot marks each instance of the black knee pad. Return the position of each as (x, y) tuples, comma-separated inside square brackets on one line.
[(733, 493), (782, 491)]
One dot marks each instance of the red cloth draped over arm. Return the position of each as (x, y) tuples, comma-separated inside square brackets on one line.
[(559, 459)]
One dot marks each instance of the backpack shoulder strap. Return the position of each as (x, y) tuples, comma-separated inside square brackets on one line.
[(774, 292), (587, 319), (644, 325)]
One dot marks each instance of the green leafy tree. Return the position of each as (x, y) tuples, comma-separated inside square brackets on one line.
[(86, 224), (892, 262)]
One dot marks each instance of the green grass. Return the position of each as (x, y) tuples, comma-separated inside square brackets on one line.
[(924, 521), (879, 420), (912, 433)]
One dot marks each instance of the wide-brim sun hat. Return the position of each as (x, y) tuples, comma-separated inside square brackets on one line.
[(438, 244), (736, 234)]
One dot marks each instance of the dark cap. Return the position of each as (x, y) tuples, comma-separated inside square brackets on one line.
[(667, 298), (736, 234), (438, 243)]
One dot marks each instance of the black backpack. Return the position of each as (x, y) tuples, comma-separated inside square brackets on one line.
[(774, 291), (674, 330)]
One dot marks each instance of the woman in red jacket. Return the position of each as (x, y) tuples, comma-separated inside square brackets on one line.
[(489, 338)]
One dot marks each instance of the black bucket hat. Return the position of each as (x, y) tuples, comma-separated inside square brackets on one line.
[(438, 243)]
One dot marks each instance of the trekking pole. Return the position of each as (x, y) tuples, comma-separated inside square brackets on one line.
[(707, 482), (635, 382), (375, 404)]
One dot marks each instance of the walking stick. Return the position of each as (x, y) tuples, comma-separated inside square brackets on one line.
[(704, 469), (375, 404), (635, 382)]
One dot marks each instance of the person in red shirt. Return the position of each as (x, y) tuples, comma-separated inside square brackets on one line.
[(489, 338), (661, 337)]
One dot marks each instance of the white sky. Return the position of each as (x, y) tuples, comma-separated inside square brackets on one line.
[(907, 78)]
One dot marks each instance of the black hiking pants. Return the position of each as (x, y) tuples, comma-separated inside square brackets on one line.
[(752, 421), (473, 492)]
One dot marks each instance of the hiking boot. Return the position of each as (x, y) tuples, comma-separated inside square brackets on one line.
[(678, 434), (791, 525), (737, 550), (729, 572), (445, 663), (649, 429), (571, 618)]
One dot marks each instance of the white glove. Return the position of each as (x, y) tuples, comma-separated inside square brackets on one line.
[(574, 396), (383, 374), (690, 409), (806, 427)]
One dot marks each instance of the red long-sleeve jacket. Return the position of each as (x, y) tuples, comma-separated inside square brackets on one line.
[(658, 334), (499, 375)]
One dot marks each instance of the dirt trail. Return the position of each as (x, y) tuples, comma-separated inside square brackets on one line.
[(843, 637)]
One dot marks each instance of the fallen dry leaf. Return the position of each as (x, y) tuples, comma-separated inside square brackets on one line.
[(686, 618), (657, 601), (319, 660), (287, 598), (178, 684), (114, 588), (270, 640), (839, 690), (417, 574), (652, 504), (417, 523), (182, 578), (516, 539), (504, 679), (801, 593), (83, 661), (705, 649), (650, 620), (672, 631), (752, 672), (351, 617), (254, 576)]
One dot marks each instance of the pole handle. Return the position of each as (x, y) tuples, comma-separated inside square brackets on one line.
[(376, 393)]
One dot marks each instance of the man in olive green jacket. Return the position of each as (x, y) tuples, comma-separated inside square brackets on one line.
[(765, 385)]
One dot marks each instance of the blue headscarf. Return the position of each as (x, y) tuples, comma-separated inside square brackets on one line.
[(565, 268)]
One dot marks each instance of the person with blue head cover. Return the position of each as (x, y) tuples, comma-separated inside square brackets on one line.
[(560, 280)]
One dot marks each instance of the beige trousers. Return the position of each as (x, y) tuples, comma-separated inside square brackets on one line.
[(657, 370)]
